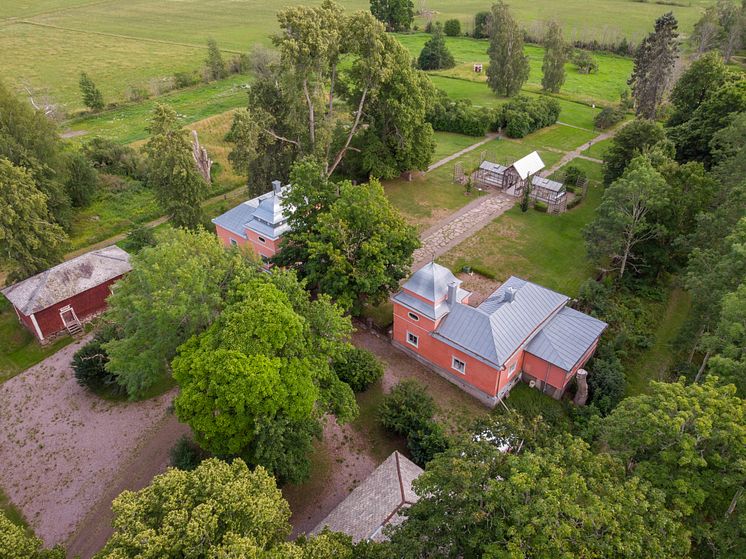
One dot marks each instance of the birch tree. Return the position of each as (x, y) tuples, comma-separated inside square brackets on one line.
[(509, 67), (621, 221)]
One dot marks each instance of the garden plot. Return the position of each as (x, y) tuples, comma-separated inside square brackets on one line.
[(62, 448)]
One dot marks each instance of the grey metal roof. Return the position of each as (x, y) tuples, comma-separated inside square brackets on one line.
[(542, 182), (263, 214), (68, 279), (433, 311), (493, 167), (566, 338), (431, 281), (376, 502), (528, 165), (503, 322)]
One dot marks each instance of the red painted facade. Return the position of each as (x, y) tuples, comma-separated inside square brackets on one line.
[(414, 332), (85, 304), (261, 246)]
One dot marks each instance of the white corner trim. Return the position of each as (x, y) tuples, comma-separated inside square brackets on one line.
[(36, 327)]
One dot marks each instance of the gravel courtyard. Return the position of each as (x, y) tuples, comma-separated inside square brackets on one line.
[(63, 449)]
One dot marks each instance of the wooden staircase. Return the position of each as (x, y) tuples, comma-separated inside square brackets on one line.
[(71, 322)]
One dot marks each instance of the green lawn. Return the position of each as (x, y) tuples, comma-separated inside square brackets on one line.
[(601, 87), (598, 150), (547, 249), (12, 513), (448, 143), (655, 363), (19, 350)]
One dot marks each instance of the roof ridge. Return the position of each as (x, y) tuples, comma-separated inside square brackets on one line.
[(42, 283)]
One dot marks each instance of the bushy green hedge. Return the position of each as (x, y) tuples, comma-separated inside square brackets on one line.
[(574, 175), (523, 115), (452, 28), (459, 116), (359, 368), (89, 365)]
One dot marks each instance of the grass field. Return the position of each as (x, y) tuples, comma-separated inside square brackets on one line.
[(547, 249), (46, 43), (601, 87)]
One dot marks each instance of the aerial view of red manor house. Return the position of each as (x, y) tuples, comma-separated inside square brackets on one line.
[(523, 331)]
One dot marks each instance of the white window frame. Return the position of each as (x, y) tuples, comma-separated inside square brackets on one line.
[(454, 365), (413, 316), (410, 337), (233, 241)]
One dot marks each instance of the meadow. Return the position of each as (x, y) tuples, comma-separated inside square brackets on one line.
[(47, 43)]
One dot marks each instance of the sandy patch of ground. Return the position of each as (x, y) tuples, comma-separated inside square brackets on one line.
[(62, 449)]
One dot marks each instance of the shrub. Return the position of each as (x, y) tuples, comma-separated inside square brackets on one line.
[(139, 237), (608, 117), (482, 22), (239, 64), (407, 408), (89, 365), (435, 54), (541, 207), (606, 382), (425, 443), (111, 157), (136, 93), (81, 180), (359, 368), (429, 26), (447, 115), (185, 79), (574, 175), (186, 454), (584, 62), (522, 115), (452, 28)]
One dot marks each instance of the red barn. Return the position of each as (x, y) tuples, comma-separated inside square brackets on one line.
[(63, 296), (523, 331)]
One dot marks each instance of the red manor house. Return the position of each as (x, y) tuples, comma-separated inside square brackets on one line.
[(258, 223), (521, 332), (60, 298)]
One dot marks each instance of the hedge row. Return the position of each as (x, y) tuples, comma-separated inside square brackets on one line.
[(460, 116), (522, 115)]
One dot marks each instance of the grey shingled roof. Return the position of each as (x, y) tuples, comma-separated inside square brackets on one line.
[(497, 328), (430, 282), (68, 279), (263, 214), (376, 502), (542, 182), (566, 338)]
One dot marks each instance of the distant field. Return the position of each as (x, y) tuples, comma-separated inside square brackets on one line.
[(600, 87), (46, 43)]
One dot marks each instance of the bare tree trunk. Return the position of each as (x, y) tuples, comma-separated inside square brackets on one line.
[(694, 347), (203, 161), (734, 502), (702, 367), (342, 152), (625, 256)]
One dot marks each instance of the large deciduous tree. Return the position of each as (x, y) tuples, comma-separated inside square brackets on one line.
[(654, 64), (255, 383), (175, 290), (294, 110), (638, 137), (216, 510), (690, 442), (705, 75), (92, 97), (622, 221), (560, 500), (15, 543), (358, 249), (728, 342), (29, 239), (555, 57), (397, 15), (178, 185), (508, 69)]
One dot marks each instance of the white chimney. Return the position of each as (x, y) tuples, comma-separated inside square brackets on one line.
[(452, 293), (509, 295), (277, 187)]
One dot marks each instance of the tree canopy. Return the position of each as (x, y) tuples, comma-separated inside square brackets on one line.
[(555, 57), (508, 69), (15, 543), (397, 15)]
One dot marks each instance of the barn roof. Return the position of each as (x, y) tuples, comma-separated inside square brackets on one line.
[(505, 320), (566, 338), (376, 502), (263, 214), (68, 279), (528, 165)]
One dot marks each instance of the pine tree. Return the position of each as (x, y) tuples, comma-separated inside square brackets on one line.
[(214, 63), (555, 56), (654, 64), (435, 54), (92, 97), (508, 69)]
